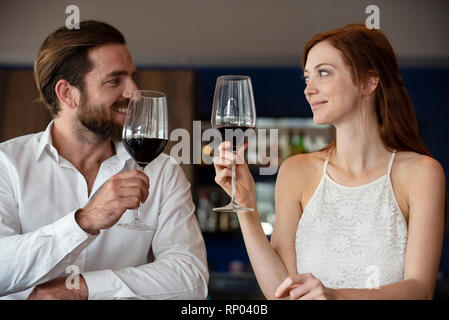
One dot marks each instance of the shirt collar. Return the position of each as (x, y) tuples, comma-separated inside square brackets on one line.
[(46, 142)]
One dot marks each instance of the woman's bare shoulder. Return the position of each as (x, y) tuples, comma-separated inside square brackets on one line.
[(410, 160), (415, 166), (305, 164), (295, 177)]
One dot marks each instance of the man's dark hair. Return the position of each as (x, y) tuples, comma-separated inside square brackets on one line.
[(64, 54)]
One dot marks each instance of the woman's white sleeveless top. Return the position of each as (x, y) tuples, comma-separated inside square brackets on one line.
[(352, 237)]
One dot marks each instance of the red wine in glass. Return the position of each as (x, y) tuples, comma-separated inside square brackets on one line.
[(234, 134), (144, 150), (145, 135)]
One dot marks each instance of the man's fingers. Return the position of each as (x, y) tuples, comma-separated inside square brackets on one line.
[(134, 192), (128, 183), (132, 202), (132, 174)]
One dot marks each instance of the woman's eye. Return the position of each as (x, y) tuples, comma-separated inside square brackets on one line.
[(323, 73), (305, 79)]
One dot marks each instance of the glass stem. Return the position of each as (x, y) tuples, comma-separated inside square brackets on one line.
[(138, 213), (233, 183), (137, 218)]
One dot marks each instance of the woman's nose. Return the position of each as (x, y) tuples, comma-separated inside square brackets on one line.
[(310, 89)]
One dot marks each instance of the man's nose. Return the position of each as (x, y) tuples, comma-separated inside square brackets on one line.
[(130, 88)]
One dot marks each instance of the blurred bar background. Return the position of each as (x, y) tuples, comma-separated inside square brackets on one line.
[(180, 48)]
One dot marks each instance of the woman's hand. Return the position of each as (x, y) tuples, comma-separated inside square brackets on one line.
[(304, 287), (244, 182)]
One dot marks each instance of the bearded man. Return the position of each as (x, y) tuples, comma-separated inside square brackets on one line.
[(63, 190)]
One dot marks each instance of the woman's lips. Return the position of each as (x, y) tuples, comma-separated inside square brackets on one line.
[(317, 104)]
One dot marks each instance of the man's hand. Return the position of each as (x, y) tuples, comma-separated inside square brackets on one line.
[(56, 289), (122, 191)]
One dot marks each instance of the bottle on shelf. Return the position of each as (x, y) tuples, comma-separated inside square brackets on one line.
[(212, 223), (301, 144), (204, 208), (309, 143), (224, 221), (234, 223), (297, 143)]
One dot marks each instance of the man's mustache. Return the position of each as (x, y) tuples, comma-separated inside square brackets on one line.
[(123, 103)]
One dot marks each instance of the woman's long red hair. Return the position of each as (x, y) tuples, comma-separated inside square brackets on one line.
[(367, 53)]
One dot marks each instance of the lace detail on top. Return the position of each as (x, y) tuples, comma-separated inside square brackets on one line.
[(352, 237)]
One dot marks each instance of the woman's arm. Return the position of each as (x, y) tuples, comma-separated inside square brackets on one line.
[(271, 263)]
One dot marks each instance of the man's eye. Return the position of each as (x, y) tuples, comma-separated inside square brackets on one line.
[(114, 81)]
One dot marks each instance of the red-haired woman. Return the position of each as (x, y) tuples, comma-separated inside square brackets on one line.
[(364, 217)]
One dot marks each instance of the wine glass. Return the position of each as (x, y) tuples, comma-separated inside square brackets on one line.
[(233, 113), (145, 135)]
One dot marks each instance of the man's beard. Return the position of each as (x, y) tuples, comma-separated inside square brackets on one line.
[(99, 121)]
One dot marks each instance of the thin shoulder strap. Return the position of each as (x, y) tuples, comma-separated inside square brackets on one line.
[(390, 164), (325, 164)]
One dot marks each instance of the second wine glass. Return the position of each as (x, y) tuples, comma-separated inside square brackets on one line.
[(233, 113), (145, 135)]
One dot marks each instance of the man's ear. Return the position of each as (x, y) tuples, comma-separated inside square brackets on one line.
[(68, 95), (370, 85)]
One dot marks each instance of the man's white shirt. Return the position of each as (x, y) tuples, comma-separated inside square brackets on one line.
[(40, 240)]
